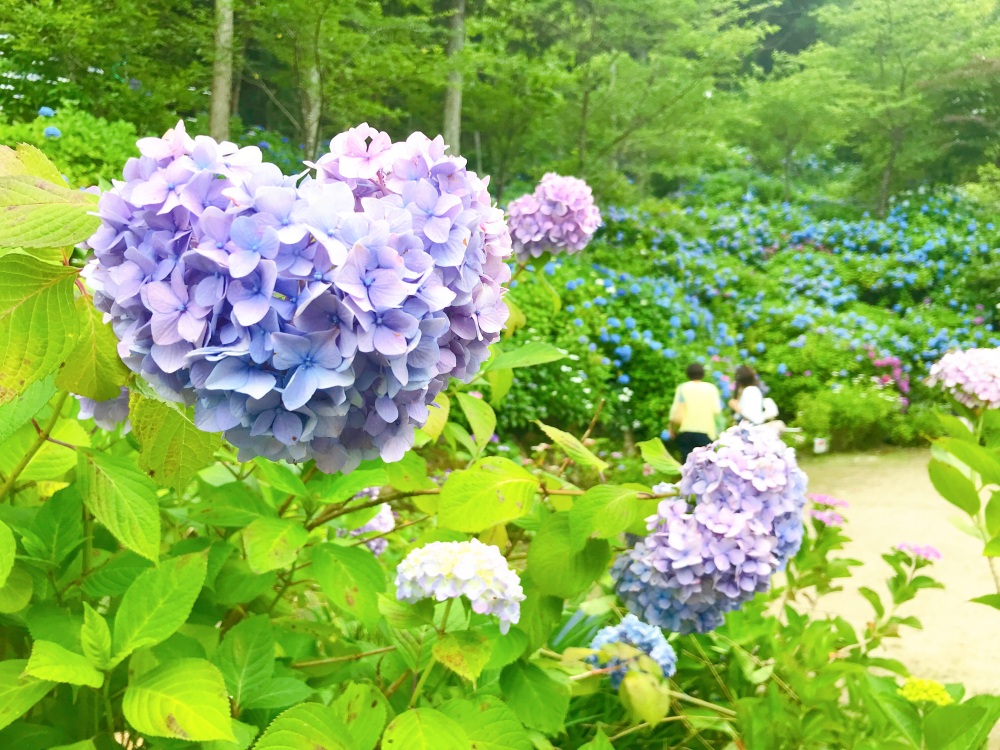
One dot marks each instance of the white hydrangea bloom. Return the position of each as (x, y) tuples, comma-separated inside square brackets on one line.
[(449, 570)]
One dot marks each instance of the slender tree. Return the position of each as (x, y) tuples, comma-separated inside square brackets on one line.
[(453, 92), (222, 71)]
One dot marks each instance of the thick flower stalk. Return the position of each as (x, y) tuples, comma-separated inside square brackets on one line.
[(449, 570), (631, 631), (304, 317), (560, 216), (972, 376), (737, 520)]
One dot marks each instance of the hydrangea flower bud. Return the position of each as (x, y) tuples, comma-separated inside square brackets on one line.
[(920, 690), (306, 316), (106, 414), (737, 520), (449, 570), (971, 376), (633, 632), (559, 216)]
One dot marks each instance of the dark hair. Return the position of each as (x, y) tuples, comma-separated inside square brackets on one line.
[(695, 371), (745, 377)]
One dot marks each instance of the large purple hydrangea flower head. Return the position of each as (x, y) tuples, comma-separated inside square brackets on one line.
[(313, 316), (560, 216), (737, 519), (971, 376)]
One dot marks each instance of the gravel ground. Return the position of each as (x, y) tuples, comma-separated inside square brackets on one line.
[(892, 501)]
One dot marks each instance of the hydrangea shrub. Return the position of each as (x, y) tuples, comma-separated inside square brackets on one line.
[(157, 591)]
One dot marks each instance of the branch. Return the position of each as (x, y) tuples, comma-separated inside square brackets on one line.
[(339, 659), (43, 435), (256, 81)]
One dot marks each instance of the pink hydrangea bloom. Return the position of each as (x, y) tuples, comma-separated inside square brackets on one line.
[(560, 216), (971, 376)]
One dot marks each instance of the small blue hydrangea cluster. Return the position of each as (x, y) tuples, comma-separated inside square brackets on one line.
[(633, 632), (106, 414), (737, 520), (449, 570), (381, 523), (310, 316)]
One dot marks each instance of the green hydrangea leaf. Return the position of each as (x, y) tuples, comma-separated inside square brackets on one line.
[(490, 724), (494, 490), (37, 213), (157, 603), (173, 448), (306, 727), (424, 729), (573, 448), (123, 499), (185, 698), (18, 691), (8, 550), (246, 658), (352, 578), (540, 701), (273, 543), (38, 320), (50, 661), (465, 653), (93, 369)]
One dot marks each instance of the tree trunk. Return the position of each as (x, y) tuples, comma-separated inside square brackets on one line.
[(453, 92), (311, 83), (311, 104), (581, 136), (222, 71), (888, 172)]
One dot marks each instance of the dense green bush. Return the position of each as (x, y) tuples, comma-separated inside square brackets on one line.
[(89, 149)]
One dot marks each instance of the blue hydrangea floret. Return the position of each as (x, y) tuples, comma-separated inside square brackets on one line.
[(632, 631)]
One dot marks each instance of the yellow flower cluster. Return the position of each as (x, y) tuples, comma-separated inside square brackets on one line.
[(917, 690)]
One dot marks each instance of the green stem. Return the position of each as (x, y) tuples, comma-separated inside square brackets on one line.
[(444, 620), (43, 435), (109, 713), (722, 710), (88, 543), (420, 685), (338, 659)]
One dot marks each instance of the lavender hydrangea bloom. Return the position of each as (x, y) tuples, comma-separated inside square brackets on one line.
[(559, 216), (106, 414), (971, 376), (633, 632), (737, 520), (381, 523), (313, 316), (449, 570)]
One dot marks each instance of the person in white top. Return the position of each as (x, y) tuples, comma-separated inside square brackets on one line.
[(749, 403)]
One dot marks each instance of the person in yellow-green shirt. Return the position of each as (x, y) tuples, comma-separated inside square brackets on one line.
[(694, 416)]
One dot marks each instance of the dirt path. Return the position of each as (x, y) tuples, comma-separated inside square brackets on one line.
[(892, 501)]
